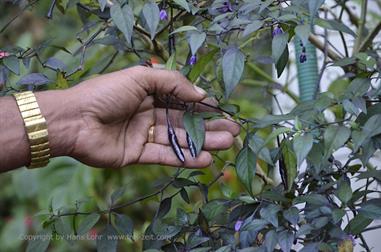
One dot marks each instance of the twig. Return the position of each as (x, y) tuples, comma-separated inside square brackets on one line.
[(51, 9), (368, 40), (364, 8), (316, 42)]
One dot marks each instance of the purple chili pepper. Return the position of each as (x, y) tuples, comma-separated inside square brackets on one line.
[(192, 60), (163, 15), (192, 146), (238, 225)]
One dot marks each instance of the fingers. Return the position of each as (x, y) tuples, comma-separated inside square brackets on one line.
[(176, 118), (163, 82), (160, 154), (214, 140)]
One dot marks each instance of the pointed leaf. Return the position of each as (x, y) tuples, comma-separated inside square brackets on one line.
[(195, 40), (36, 79), (124, 19), (279, 44), (87, 223), (233, 63), (194, 125), (124, 224), (246, 164), (13, 64), (151, 16), (302, 146)]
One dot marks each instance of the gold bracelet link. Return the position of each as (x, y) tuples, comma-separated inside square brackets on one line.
[(35, 127)]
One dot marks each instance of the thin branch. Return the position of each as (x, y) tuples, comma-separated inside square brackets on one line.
[(320, 45), (364, 8), (368, 40)]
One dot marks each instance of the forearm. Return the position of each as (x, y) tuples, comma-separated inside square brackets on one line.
[(60, 112)]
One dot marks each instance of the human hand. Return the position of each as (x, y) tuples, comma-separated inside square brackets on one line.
[(113, 114)]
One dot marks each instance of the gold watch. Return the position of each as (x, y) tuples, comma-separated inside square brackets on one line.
[(36, 128)]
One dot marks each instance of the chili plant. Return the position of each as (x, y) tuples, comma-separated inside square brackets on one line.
[(324, 200)]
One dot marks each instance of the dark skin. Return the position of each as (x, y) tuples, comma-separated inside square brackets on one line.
[(104, 122)]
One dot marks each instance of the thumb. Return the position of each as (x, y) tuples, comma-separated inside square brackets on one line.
[(158, 81)]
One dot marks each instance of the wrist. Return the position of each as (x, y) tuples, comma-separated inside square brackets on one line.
[(62, 119)]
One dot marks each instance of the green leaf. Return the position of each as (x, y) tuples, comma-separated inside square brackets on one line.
[(41, 242), (163, 229), (171, 63), (150, 14), (184, 195), (246, 164), (334, 138), (271, 240), (357, 224), (87, 223), (184, 29), (371, 209), (282, 62), (117, 194), (303, 32), (358, 87), (201, 64), (289, 159), (124, 19), (183, 3), (344, 190), (107, 241), (165, 206), (270, 214), (273, 135), (286, 239), (13, 64), (233, 63), (252, 27), (194, 125), (302, 146), (182, 217), (292, 215), (124, 224), (195, 40), (256, 143), (279, 44), (334, 25)]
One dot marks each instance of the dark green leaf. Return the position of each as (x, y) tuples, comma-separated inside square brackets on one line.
[(87, 223), (256, 143), (246, 164), (183, 29), (344, 190), (270, 214), (124, 224), (233, 63), (150, 14), (184, 195), (107, 241), (13, 64), (182, 217), (302, 146), (194, 125), (182, 182), (358, 224), (292, 215), (279, 44), (164, 207), (289, 159), (282, 62), (124, 19), (334, 138), (161, 228), (117, 194), (371, 209), (358, 87)]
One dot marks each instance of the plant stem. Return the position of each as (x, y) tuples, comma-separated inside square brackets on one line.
[(364, 7), (368, 40)]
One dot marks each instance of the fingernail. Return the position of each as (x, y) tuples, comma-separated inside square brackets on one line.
[(200, 90)]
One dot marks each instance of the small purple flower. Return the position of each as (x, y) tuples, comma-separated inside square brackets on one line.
[(303, 57), (277, 31), (163, 15), (192, 60), (238, 225)]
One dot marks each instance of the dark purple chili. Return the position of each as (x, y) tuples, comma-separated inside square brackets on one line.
[(191, 146), (173, 140)]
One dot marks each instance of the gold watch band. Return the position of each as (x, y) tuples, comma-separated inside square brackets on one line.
[(36, 128)]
